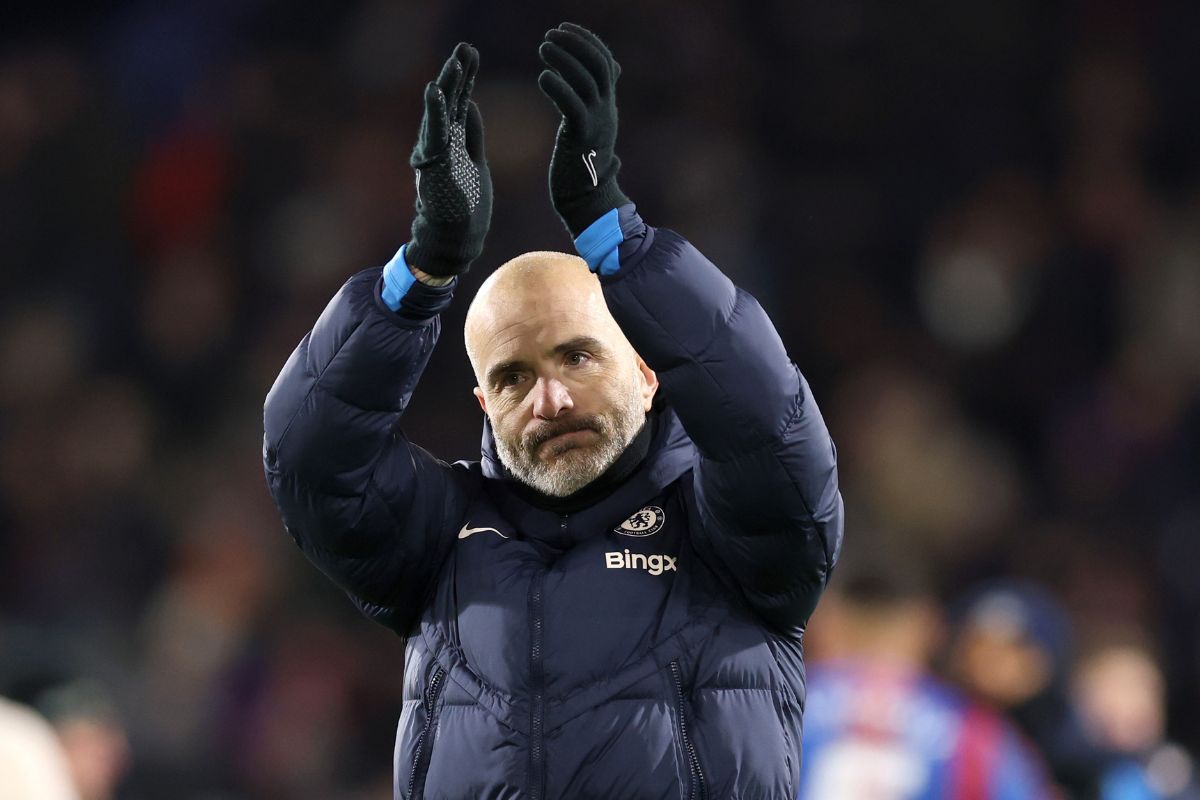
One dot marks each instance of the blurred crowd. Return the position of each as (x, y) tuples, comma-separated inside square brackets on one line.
[(976, 226)]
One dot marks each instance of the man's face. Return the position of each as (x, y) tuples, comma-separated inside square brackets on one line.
[(563, 388), (1120, 693)]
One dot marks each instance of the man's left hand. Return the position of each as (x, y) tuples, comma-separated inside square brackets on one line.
[(581, 80)]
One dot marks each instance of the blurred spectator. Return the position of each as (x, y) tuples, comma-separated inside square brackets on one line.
[(928, 476), (1121, 695), (1011, 648), (92, 736), (62, 680), (878, 725), (32, 763)]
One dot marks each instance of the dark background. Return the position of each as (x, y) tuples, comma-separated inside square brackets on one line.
[(975, 224)]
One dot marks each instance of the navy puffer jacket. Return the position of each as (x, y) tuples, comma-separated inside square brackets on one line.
[(647, 646)]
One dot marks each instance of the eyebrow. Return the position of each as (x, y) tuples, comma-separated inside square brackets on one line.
[(588, 343)]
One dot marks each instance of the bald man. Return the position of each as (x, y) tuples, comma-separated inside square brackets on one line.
[(543, 314), (610, 602)]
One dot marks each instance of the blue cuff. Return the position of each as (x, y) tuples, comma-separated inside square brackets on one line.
[(397, 280), (599, 242)]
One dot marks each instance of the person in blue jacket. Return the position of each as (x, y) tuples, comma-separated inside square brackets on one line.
[(880, 723), (610, 603)]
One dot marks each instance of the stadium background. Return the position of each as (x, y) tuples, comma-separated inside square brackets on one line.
[(976, 226)]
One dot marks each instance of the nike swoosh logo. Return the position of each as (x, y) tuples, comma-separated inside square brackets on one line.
[(591, 168), (465, 532)]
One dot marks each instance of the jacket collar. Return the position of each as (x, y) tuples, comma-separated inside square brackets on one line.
[(668, 457)]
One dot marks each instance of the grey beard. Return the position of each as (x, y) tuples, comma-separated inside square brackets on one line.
[(575, 468)]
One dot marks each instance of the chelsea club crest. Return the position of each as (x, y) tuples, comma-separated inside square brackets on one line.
[(643, 523)]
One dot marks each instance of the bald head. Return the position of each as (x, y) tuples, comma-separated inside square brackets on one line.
[(534, 286), (562, 386)]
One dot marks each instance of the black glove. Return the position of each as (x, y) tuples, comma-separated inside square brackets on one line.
[(454, 187), (581, 81)]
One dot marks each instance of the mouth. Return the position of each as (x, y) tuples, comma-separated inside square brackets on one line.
[(562, 442)]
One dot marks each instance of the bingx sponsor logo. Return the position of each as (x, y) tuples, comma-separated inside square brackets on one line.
[(655, 564)]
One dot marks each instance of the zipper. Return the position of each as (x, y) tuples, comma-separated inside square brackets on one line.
[(424, 748), (695, 774), (537, 683)]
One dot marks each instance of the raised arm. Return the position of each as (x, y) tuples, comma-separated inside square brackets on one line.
[(374, 512), (766, 476)]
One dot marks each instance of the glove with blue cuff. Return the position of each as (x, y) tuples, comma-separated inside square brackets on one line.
[(454, 187), (580, 79)]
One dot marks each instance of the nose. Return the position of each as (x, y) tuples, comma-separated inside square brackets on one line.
[(551, 398)]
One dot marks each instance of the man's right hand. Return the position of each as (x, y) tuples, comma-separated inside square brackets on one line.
[(454, 187)]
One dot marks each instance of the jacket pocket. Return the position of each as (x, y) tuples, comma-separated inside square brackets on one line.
[(424, 746), (695, 785)]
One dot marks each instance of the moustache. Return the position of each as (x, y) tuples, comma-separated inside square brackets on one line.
[(535, 439)]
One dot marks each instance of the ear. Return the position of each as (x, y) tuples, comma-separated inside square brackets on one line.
[(649, 385), (479, 396)]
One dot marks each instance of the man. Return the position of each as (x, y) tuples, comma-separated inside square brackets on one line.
[(86, 721), (32, 762), (610, 603), (1121, 693), (879, 726), (1011, 648)]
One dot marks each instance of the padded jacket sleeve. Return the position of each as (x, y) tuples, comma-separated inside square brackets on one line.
[(766, 472), (372, 511)]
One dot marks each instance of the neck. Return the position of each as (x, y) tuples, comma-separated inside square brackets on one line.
[(626, 464)]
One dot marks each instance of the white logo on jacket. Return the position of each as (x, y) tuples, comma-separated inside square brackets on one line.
[(467, 531), (645, 522), (655, 564)]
